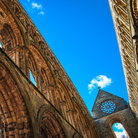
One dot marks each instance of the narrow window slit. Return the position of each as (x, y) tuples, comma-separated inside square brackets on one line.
[(32, 78), (0, 45)]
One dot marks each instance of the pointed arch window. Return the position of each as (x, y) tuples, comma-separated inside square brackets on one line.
[(119, 130), (32, 78)]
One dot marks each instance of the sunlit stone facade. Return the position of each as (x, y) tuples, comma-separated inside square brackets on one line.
[(53, 108), (125, 18)]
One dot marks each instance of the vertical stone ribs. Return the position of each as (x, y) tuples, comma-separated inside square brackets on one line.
[(127, 49), (49, 126), (13, 112)]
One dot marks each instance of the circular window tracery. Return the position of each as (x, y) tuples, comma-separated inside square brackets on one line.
[(108, 106)]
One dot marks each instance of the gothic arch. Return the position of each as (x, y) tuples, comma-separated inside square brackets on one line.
[(49, 125), (64, 102), (17, 9), (117, 118), (62, 86), (8, 18), (8, 37), (15, 6), (80, 121), (90, 129), (40, 62), (12, 34), (13, 111), (42, 72)]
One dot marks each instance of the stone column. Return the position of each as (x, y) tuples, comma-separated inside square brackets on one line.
[(23, 60)]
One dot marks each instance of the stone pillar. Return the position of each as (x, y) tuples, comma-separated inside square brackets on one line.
[(23, 60)]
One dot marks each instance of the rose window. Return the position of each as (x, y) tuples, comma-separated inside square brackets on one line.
[(108, 106)]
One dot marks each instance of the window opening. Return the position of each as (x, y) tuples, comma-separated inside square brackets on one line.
[(0, 45), (32, 78), (119, 130)]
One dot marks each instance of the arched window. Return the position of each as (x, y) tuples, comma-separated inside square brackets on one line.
[(50, 127), (32, 78), (119, 130)]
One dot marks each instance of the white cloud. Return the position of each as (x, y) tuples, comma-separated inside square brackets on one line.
[(101, 81), (42, 13), (28, 0), (35, 5), (118, 126), (121, 134)]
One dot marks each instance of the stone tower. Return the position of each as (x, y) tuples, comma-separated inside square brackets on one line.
[(53, 108), (109, 109)]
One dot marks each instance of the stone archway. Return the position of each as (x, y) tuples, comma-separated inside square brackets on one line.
[(14, 115), (49, 126), (42, 73), (12, 36), (118, 118)]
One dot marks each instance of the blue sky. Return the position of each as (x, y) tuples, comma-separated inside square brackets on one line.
[(82, 36)]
